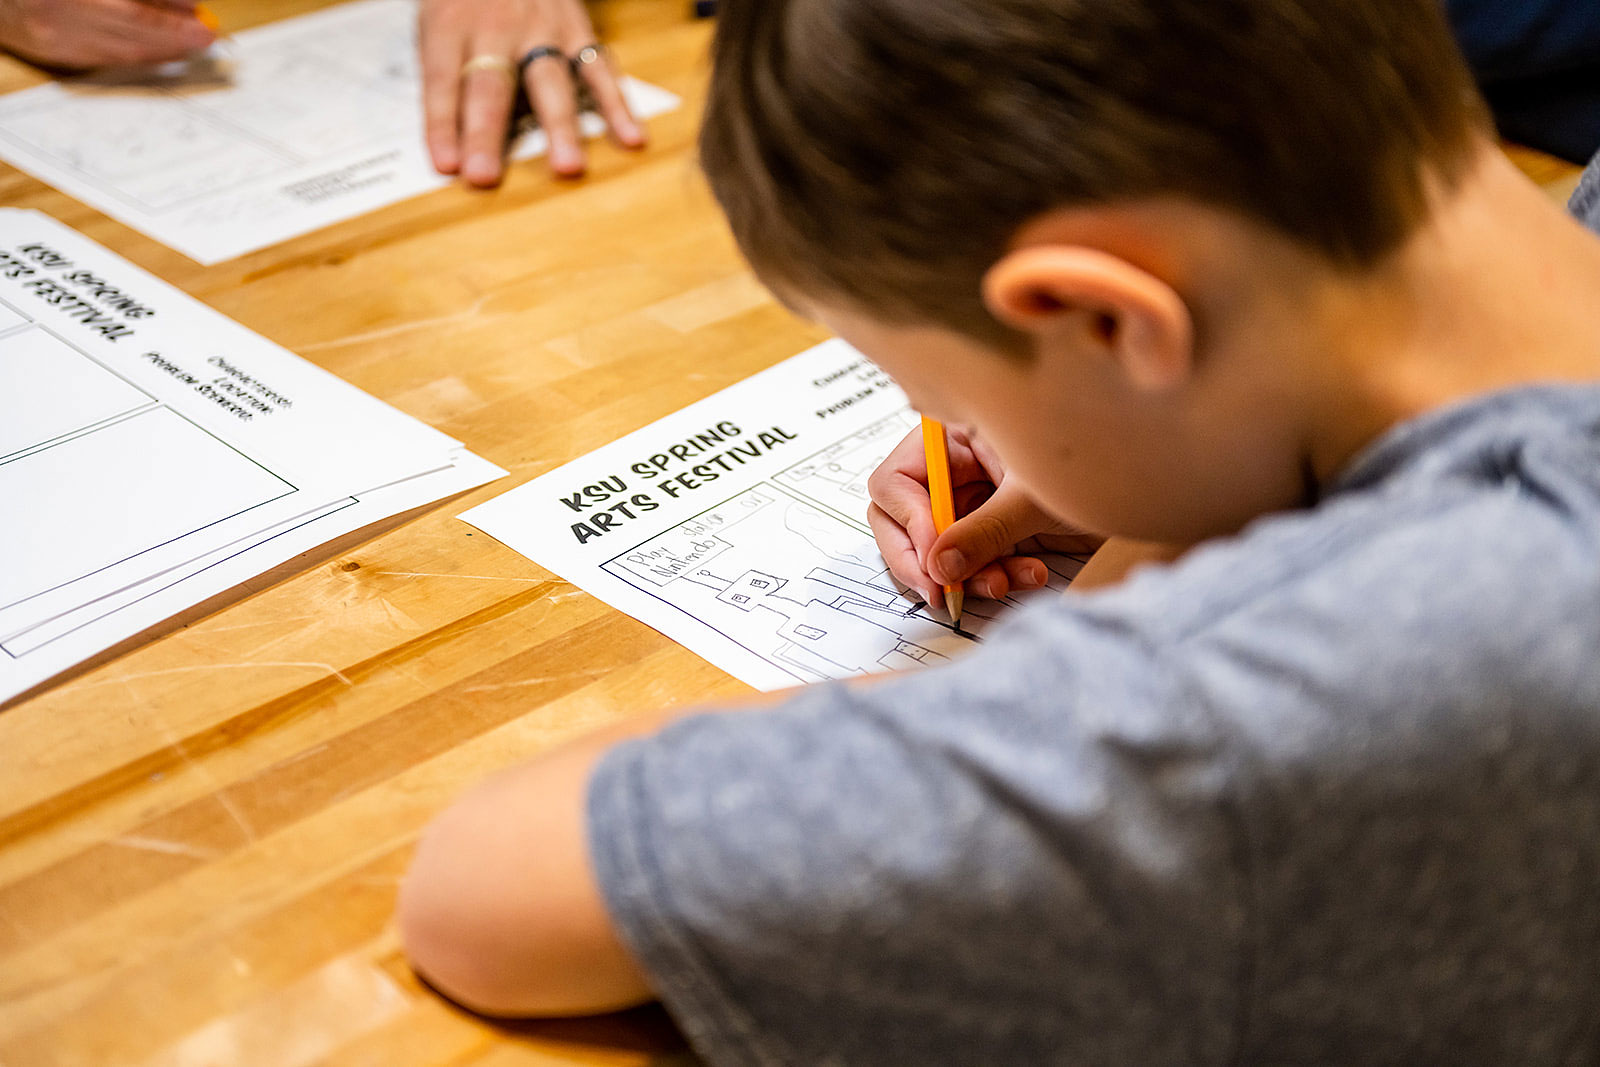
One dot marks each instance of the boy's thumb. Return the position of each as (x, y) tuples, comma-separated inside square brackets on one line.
[(989, 533)]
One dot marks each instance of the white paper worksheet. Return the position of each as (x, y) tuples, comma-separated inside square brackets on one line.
[(287, 128), (154, 453), (737, 527)]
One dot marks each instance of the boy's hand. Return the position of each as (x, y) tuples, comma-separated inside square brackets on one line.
[(987, 547), (82, 34)]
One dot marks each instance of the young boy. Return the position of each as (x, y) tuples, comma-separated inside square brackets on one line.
[(1246, 274)]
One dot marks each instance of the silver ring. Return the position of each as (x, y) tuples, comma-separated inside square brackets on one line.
[(488, 61), (589, 53)]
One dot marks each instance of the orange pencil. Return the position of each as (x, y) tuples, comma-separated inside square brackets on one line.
[(207, 17), (942, 496)]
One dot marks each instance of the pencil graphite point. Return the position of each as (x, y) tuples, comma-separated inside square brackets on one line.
[(952, 603)]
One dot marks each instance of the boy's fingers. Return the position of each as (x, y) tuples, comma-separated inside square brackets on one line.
[(989, 533), (972, 496), (1013, 574), (991, 582), (904, 458), (899, 553), (903, 496)]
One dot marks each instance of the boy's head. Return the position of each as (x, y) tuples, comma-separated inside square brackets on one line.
[(887, 151), (882, 161)]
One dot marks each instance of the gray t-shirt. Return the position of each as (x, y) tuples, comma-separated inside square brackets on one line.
[(1328, 791)]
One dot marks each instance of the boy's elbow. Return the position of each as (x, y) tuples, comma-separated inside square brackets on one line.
[(506, 929), (453, 934)]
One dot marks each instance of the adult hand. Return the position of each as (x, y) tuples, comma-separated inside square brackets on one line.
[(988, 548), (470, 52), (81, 34)]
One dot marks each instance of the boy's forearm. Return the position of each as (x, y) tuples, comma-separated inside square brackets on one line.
[(501, 909)]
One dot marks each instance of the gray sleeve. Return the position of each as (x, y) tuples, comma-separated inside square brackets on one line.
[(1007, 860)]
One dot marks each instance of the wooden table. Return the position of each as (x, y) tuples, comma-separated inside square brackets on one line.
[(200, 839)]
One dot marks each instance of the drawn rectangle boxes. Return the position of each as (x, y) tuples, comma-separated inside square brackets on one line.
[(748, 589), (844, 639), (836, 477), (50, 390), (687, 547), (111, 495)]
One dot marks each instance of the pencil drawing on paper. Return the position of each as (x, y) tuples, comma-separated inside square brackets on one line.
[(835, 478), (799, 587)]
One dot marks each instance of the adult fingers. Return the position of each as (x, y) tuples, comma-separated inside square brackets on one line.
[(901, 554), (593, 65), (988, 534), (554, 98), (486, 97), (128, 32), (442, 48)]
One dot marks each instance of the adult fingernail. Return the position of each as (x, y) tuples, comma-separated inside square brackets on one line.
[(951, 565), (479, 168), (566, 159), (1034, 575)]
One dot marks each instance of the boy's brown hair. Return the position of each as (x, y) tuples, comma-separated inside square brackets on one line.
[(883, 152)]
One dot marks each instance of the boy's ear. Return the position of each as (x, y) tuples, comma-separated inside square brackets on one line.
[(1098, 300)]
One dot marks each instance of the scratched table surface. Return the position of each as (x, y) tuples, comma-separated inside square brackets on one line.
[(201, 838), (201, 835)]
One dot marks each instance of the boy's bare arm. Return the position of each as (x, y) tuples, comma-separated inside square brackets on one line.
[(501, 910)]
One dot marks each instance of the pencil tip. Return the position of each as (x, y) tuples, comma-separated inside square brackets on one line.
[(952, 603)]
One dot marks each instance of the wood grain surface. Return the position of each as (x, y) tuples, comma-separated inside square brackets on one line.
[(200, 839), (201, 835)]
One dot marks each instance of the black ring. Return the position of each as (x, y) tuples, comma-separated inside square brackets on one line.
[(533, 55)]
